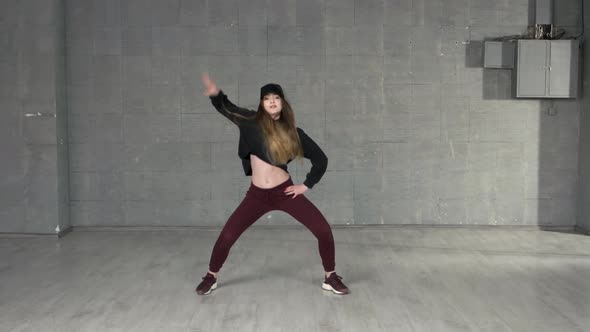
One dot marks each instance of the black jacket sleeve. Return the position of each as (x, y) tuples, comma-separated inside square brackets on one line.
[(228, 109), (319, 160)]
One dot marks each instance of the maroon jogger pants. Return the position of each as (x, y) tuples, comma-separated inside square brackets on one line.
[(259, 201)]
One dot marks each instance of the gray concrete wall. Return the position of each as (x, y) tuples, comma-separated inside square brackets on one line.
[(584, 198), (63, 160), (552, 166), (417, 132), (33, 198)]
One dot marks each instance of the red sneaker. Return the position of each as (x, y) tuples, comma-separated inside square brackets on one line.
[(208, 284), (334, 283)]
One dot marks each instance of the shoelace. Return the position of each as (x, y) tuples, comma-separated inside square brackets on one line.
[(337, 279), (209, 277)]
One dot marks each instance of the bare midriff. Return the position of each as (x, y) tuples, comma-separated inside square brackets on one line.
[(265, 175)]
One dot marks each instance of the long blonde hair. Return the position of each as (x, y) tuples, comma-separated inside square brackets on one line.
[(281, 138)]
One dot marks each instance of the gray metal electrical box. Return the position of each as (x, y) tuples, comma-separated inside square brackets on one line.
[(498, 54), (547, 68)]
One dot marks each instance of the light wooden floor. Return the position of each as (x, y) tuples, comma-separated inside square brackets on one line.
[(402, 279)]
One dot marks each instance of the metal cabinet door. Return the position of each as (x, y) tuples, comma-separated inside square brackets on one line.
[(532, 68), (563, 68)]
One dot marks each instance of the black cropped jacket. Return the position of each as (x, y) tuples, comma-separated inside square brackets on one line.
[(252, 141)]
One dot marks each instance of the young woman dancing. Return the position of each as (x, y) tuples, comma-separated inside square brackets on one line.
[(269, 140)]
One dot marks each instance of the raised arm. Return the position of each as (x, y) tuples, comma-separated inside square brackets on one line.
[(222, 103)]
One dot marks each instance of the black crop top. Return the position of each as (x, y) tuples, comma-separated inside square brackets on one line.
[(252, 141)]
